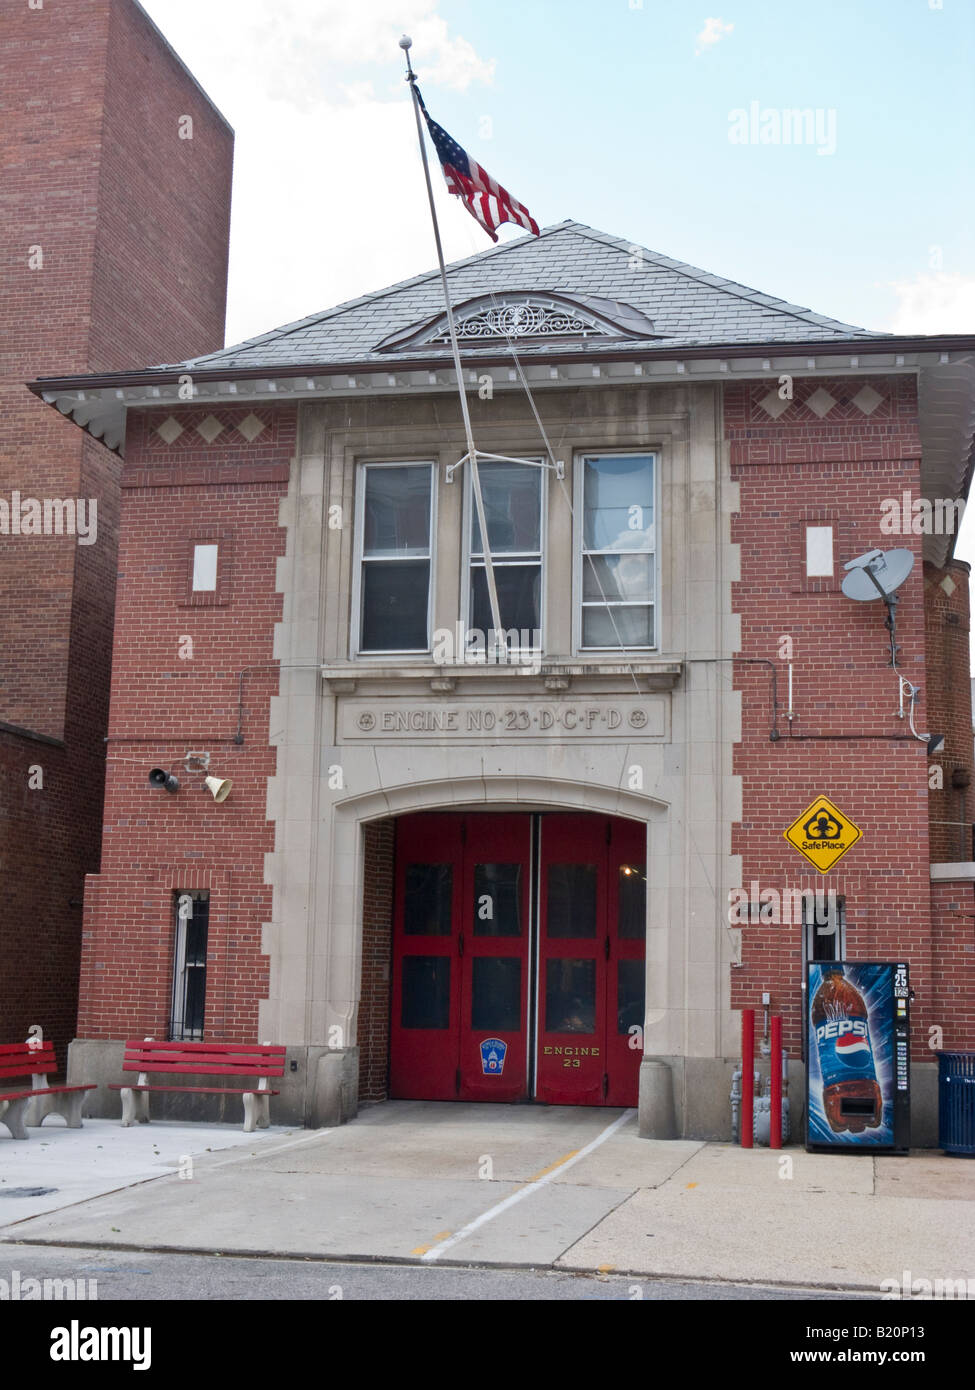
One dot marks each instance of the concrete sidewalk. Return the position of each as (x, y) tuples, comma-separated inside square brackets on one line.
[(563, 1188)]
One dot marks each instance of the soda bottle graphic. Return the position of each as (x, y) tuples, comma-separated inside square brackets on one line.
[(851, 1094)]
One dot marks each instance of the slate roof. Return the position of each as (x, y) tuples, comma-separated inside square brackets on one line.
[(689, 308)]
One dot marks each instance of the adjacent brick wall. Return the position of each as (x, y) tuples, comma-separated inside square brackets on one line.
[(129, 226), (838, 470)]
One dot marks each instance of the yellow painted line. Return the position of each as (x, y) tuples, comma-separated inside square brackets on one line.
[(552, 1166), (422, 1249), (604, 1269)]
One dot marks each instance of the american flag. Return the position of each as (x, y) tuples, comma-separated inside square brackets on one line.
[(484, 199)]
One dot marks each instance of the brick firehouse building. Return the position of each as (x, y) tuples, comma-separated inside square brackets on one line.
[(428, 856)]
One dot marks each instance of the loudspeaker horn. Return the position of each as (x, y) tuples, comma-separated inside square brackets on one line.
[(219, 787), (158, 777)]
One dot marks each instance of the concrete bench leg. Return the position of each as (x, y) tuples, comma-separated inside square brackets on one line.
[(69, 1105), (12, 1115), (135, 1107), (37, 1111), (257, 1111), (73, 1107)]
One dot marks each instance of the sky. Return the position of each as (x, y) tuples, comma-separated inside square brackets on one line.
[(648, 119)]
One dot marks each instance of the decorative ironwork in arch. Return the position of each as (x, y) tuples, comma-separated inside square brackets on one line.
[(522, 315), (524, 319)]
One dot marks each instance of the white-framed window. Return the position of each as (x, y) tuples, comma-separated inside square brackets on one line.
[(192, 909), (616, 549), (515, 497), (393, 587)]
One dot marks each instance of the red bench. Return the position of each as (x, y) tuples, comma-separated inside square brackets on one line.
[(17, 1108), (242, 1060)]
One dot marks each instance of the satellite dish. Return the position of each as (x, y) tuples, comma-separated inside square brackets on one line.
[(877, 574)]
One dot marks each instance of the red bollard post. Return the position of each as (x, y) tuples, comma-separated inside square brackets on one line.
[(747, 1127), (775, 1118)]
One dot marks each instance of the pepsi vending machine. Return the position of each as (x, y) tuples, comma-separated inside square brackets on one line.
[(858, 1056)]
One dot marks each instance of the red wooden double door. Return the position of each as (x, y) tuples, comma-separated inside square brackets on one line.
[(518, 958)]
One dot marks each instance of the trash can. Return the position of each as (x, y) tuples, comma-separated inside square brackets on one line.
[(956, 1103)]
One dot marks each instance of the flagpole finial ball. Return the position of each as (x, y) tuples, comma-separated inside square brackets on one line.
[(406, 42)]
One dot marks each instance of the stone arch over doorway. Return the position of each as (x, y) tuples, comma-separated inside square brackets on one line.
[(355, 965)]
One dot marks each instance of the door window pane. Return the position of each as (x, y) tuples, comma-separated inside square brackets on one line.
[(496, 990), (426, 992), (570, 996), (497, 899), (631, 988), (571, 900), (428, 898), (631, 923)]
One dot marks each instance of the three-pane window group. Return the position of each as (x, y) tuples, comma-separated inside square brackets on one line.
[(614, 553)]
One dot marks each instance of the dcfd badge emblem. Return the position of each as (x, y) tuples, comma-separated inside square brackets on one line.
[(492, 1056)]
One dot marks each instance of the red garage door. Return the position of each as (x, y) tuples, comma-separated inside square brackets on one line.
[(518, 958)]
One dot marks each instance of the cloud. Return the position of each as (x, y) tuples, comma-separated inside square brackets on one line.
[(329, 200), (938, 302), (713, 32)]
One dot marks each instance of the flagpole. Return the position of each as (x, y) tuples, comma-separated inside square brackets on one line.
[(406, 44)]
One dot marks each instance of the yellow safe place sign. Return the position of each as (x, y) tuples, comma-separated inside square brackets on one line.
[(823, 834)]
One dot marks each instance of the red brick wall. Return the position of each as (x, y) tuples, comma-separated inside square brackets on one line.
[(949, 696), (164, 705), (96, 176), (793, 471), (377, 935), (953, 967), (50, 132)]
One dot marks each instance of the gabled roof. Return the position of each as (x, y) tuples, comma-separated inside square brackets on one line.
[(687, 307)]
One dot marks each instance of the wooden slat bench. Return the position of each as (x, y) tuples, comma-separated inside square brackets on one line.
[(20, 1108), (242, 1060)]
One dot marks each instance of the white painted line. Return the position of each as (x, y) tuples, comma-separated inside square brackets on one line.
[(526, 1191)]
